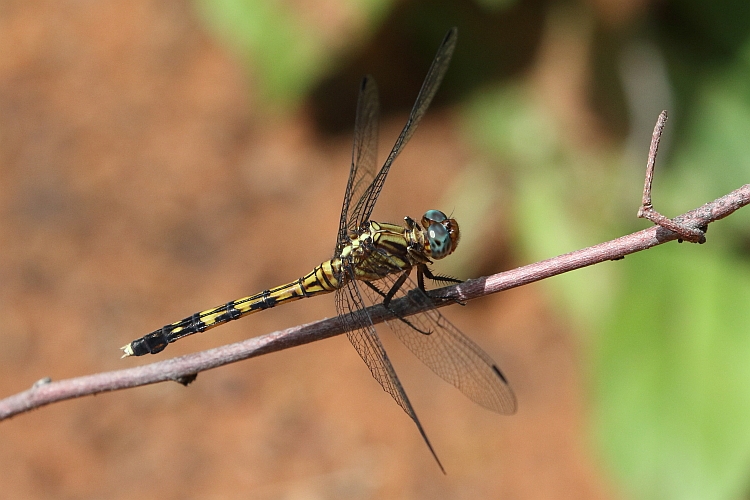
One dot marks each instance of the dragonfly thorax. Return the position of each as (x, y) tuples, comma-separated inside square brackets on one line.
[(378, 249)]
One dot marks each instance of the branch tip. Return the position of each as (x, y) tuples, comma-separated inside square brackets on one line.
[(646, 210)]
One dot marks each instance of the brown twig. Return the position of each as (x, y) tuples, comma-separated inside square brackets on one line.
[(45, 392), (184, 368), (686, 232)]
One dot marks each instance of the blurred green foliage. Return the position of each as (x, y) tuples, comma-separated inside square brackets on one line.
[(672, 395), (668, 329), (288, 55)]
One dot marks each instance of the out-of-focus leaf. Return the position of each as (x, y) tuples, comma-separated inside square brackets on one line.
[(506, 123), (724, 25), (287, 54), (513, 129), (496, 5), (714, 156), (672, 395)]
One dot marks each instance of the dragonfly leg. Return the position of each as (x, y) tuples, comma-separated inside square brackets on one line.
[(398, 284), (389, 295), (424, 271)]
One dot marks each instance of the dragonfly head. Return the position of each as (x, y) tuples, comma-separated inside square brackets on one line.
[(441, 233)]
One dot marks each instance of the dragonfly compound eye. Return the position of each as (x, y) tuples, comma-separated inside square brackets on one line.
[(433, 216), (440, 241)]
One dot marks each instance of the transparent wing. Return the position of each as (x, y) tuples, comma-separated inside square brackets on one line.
[(444, 349), (364, 154), (364, 338), (435, 74)]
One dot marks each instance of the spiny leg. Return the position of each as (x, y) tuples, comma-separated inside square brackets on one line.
[(389, 296), (424, 271)]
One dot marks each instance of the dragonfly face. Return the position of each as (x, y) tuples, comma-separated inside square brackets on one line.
[(441, 234)]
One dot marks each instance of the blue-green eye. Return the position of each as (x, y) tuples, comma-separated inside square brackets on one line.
[(440, 240), (435, 215)]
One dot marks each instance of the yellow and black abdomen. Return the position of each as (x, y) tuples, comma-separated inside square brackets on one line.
[(322, 279), (381, 250)]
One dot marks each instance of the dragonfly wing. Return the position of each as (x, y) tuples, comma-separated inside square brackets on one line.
[(445, 350), (435, 74), (361, 333), (364, 154)]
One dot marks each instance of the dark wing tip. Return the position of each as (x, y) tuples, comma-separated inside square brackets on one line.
[(499, 374), (365, 81), (449, 41), (507, 407)]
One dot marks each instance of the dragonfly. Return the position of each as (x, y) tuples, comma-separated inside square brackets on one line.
[(372, 261)]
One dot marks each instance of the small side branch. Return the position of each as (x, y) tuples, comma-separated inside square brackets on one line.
[(686, 232), (181, 369)]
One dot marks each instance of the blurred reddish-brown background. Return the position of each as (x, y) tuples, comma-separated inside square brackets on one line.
[(144, 178)]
